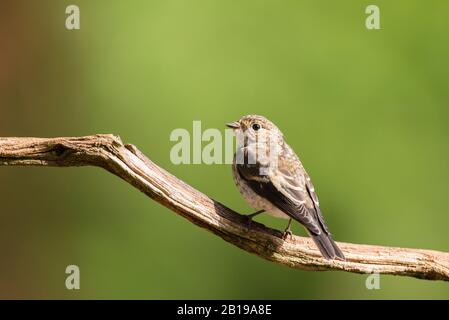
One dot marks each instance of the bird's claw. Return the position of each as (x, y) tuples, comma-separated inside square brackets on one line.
[(287, 234), (249, 221)]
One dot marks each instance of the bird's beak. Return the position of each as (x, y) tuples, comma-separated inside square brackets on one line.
[(233, 125)]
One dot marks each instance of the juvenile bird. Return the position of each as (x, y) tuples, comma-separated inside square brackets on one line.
[(272, 179)]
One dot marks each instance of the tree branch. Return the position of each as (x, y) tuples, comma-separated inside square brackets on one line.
[(127, 162)]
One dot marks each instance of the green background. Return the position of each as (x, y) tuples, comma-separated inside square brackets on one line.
[(366, 110)]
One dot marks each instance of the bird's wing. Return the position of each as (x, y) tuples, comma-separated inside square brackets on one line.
[(316, 202), (286, 188)]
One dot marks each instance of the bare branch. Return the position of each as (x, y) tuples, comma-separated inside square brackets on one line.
[(127, 162)]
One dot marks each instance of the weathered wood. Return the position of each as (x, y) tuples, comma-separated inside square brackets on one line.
[(127, 162)]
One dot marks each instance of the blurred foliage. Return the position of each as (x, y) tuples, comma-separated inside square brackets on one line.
[(366, 111)]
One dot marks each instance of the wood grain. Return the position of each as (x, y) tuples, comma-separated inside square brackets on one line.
[(127, 162)]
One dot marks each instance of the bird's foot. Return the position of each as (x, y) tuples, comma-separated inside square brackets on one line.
[(287, 234), (249, 221), (249, 217), (288, 230)]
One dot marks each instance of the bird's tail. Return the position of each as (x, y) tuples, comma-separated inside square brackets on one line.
[(327, 246)]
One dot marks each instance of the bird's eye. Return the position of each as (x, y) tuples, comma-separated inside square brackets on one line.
[(255, 126)]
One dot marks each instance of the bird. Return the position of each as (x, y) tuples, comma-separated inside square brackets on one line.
[(272, 179)]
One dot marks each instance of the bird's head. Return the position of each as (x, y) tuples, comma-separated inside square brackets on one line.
[(256, 128)]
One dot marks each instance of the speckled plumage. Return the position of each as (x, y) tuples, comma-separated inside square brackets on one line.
[(275, 180)]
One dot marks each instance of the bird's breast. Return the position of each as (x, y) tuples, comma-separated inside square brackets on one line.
[(253, 199)]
